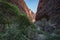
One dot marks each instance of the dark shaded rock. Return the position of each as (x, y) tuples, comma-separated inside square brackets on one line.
[(52, 10)]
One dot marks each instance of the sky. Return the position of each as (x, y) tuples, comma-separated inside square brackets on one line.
[(32, 4)]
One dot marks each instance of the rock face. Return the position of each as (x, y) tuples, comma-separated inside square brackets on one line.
[(32, 16), (23, 7), (49, 9)]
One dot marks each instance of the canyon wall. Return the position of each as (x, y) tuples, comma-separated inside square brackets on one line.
[(23, 8), (48, 7), (50, 10)]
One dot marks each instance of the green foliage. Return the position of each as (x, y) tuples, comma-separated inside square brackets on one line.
[(50, 37), (14, 24), (46, 26), (53, 36), (48, 29)]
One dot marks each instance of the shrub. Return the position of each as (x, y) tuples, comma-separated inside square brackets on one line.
[(14, 25)]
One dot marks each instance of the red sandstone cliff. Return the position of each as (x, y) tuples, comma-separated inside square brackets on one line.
[(23, 7)]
